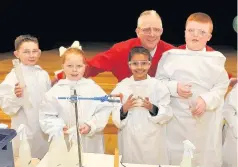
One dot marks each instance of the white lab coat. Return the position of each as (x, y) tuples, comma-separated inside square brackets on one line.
[(231, 117), (94, 113), (209, 79), (141, 136), (37, 84)]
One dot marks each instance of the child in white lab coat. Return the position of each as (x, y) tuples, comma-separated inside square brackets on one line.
[(37, 83), (197, 80), (93, 115), (230, 142), (142, 118)]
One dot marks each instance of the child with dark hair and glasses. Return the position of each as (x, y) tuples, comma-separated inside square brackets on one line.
[(144, 113)]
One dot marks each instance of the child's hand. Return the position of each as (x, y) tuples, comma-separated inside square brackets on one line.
[(84, 129), (184, 90), (146, 104), (200, 107), (54, 81), (129, 104), (18, 90), (233, 81), (65, 129), (118, 95)]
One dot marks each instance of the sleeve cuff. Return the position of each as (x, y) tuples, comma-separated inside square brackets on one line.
[(154, 111), (122, 114), (93, 128), (207, 101), (172, 85)]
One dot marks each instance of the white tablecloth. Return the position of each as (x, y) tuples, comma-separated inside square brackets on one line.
[(105, 160), (139, 165), (34, 162)]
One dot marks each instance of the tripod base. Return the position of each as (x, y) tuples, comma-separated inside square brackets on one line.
[(79, 166)]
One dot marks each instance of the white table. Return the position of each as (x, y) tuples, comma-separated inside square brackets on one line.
[(140, 165), (105, 160), (34, 162)]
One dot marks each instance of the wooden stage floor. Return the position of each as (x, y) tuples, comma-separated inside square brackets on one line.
[(50, 61)]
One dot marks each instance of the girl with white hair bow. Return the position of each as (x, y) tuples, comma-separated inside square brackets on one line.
[(93, 115)]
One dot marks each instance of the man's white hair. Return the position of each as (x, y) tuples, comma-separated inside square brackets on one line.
[(147, 13)]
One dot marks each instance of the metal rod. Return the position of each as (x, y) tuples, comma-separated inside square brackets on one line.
[(77, 129), (102, 98)]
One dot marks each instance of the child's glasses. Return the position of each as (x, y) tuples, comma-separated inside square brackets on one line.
[(200, 32), (34, 52), (143, 63)]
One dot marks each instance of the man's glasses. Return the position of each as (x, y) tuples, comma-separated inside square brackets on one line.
[(149, 30)]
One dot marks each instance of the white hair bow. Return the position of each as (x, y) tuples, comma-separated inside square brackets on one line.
[(75, 44)]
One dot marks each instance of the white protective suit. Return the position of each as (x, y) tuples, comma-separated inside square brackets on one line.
[(94, 113), (209, 79), (141, 136), (37, 84), (231, 117)]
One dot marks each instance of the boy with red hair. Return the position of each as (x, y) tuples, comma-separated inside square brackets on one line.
[(198, 81)]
